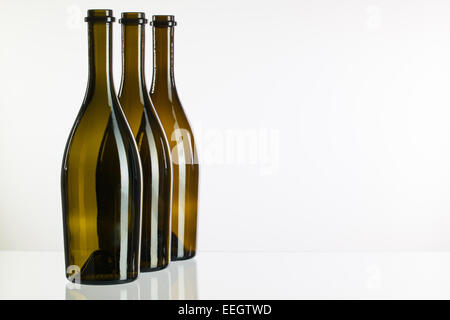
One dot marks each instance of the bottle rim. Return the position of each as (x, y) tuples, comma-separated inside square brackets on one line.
[(100, 15), (133, 18), (163, 21)]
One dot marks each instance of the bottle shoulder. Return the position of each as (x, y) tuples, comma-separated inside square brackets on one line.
[(175, 122), (170, 111), (96, 122)]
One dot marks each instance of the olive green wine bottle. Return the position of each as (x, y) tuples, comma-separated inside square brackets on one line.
[(152, 144), (164, 96), (101, 176)]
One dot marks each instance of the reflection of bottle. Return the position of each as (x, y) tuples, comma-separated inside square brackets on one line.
[(155, 285), (126, 291), (181, 140), (177, 282), (101, 176), (183, 279), (152, 144)]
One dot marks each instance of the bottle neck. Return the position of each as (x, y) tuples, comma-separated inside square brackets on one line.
[(100, 57), (163, 74), (133, 44)]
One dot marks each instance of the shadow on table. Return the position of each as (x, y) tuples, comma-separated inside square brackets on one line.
[(177, 282)]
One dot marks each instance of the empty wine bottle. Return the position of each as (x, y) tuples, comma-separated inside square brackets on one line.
[(152, 143), (164, 96), (101, 176)]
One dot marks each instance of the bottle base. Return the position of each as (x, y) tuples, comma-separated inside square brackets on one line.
[(102, 282), (185, 257), (154, 269)]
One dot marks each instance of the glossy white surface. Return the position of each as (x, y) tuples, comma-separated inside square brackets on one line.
[(321, 125), (250, 275)]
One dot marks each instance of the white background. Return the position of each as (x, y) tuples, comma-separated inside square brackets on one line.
[(341, 110)]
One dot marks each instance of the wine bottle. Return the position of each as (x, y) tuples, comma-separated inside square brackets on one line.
[(152, 144), (101, 175), (181, 140)]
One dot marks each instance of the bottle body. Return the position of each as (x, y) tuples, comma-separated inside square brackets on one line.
[(181, 141), (152, 144), (101, 176)]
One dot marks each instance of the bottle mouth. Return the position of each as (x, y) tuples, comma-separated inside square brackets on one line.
[(100, 15), (161, 21), (133, 18)]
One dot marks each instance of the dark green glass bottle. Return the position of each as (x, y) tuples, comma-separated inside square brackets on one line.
[(165, 98), (101, 176), (152, 144)]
